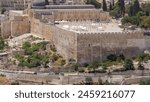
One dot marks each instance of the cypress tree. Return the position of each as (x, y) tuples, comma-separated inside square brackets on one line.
[(130, 13), (104, 5), (110, 7), (122, 5), (136, 7), (113, 3)]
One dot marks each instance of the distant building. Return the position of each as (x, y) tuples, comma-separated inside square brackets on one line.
[(17, 24), (15, 4)]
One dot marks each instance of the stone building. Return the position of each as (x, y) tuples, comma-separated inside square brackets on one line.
[(15, 4), (85, 34), (80, 32), (87, 44), (17, 24)]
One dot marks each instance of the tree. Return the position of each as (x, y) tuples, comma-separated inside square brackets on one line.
[(94, 2), (146, 8), (3, 10), (134, 20), (127, 7), (128, 64), (130, 10), (122, 6), (104, 5), (112, 57), (27, 48), (88, 81), (76, 67), (33, 56), (94, 65), (15, 83), (26, 45), (110, 7), (54, 57), (121, 57), (63, 62), (118, 10), (113, 3), (145, 82), (2, 43), (143, 57), (115, 13), (141, 67), (136, 7), (145, 22)]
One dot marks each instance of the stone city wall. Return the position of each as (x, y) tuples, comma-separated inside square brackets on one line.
[(15, 27), (5, 29), (14, 13), (15, 4), (95, 47), (80, 15), (71, 15), (20, 27), (41, 29), (86, 48), (64, 41)]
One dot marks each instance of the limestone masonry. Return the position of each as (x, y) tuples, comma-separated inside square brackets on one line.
[(79, 32)]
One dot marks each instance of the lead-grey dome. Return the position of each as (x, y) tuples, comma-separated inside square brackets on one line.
[(39, 2)]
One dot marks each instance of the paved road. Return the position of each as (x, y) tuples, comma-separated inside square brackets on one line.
[(29, 76)]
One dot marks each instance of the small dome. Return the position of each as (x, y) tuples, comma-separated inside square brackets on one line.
[(39, 2)]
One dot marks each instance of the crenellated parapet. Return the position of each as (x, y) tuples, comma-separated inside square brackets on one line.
[(74, 42), (97, 46)]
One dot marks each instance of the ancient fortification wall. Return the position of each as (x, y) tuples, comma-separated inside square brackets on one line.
[(19, 27), (64, 41), (15, 27), (95, 47), (5, 29), (80, 15), (86, 48), (41, 29), (71, 14)]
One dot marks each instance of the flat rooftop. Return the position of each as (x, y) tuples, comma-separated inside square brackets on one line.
[(51, 10), (69, 6), (64, 7), (89, 26), (17, 11)]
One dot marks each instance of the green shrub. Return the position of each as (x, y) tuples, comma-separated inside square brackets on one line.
[(134, 20), (54, 57), (88, 81), (2, 43), (128, 64), (15, 83), (145, 82), (63, 62), (53, 49)]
